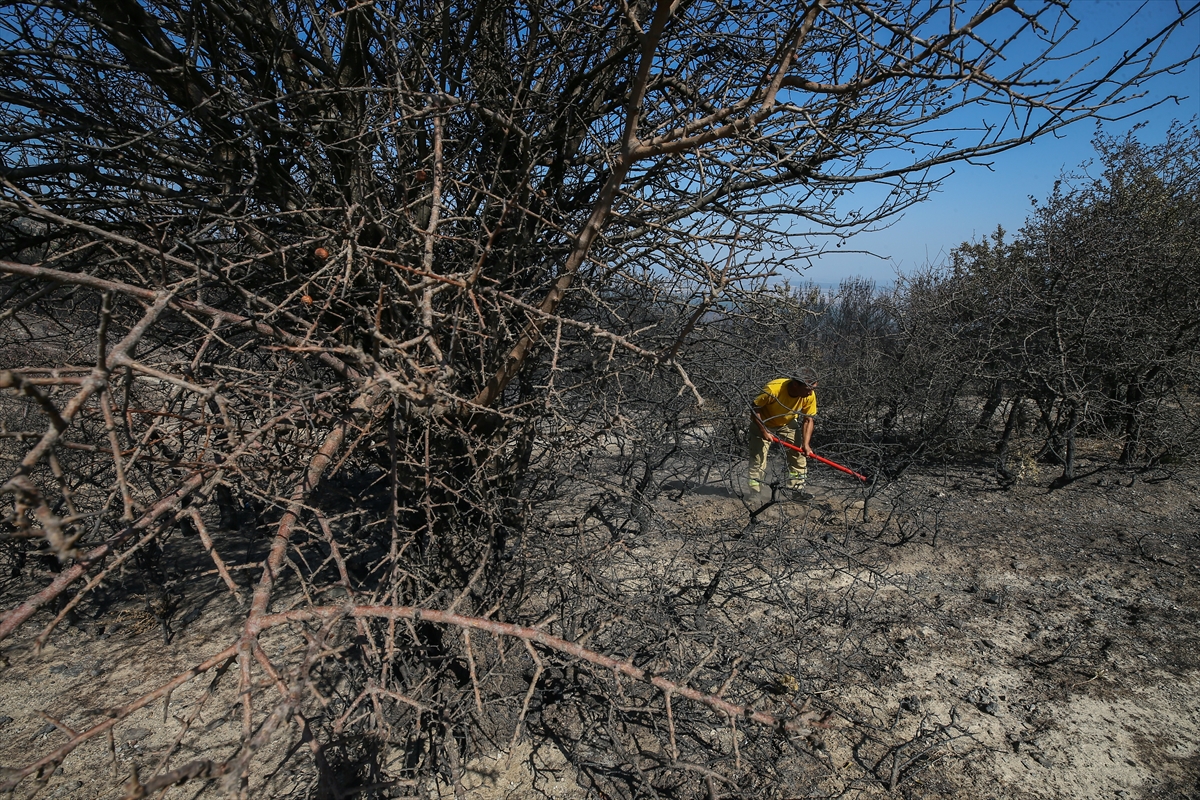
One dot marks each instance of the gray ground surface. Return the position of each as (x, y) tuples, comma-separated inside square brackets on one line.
[(1057, 629), (1023, 643)]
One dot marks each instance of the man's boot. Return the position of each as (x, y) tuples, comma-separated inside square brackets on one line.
[(796, 486)]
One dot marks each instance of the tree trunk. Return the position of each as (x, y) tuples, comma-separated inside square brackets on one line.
[(989, 408), (1069, 436), (1134, 396)]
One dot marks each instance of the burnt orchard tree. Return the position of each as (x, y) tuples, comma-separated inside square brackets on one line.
[(308, 280), (1092, 311)]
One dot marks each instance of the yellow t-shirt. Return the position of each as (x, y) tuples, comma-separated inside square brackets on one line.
[(777, 411)]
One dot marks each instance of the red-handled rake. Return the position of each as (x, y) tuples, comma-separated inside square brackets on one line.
[(826, 461)]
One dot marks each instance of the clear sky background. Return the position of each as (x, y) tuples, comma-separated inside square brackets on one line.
[(975, 199)]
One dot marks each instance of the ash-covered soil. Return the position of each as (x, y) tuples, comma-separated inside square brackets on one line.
[(1028, 642), (971, 641)]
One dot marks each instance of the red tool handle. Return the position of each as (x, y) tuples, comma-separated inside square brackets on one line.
[(777, 440)]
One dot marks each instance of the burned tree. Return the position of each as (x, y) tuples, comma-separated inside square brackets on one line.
[(1087, 317)]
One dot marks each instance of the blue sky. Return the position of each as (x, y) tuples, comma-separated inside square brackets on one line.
[(975, 199)]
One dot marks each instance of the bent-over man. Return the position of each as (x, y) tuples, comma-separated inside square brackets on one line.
[(783, 405)]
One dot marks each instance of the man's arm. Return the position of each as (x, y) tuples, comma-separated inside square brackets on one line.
[(760, 404), (806, 431)]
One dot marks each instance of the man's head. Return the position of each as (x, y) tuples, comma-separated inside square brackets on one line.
[(799, 388)]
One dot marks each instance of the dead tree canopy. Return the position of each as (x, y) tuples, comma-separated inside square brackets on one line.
[(313, 281), (1090, 313)]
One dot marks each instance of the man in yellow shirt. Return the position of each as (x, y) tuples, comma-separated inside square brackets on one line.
[(782, 406)]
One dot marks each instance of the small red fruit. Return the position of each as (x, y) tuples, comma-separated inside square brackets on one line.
[(321, 252), (306, 299)]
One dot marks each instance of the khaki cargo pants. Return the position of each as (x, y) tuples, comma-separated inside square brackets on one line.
[(758, 447)]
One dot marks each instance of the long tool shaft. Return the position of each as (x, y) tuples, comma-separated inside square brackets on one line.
[(826, 461)]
